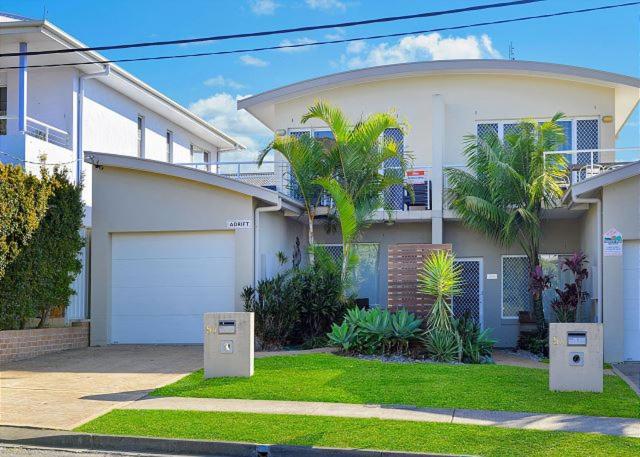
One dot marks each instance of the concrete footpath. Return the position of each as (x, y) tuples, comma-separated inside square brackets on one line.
[(548, 422)]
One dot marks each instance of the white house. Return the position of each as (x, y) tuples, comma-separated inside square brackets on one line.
[(59, 112)]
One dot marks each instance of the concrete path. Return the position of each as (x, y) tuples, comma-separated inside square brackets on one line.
[(63, 390), (548, 422), (630, 373)]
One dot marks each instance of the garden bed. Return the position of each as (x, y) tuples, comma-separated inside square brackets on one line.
[(333, 378)]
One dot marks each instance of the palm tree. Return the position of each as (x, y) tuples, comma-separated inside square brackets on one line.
[(441, 278), (508, 184), (308, 161), (356, 156)]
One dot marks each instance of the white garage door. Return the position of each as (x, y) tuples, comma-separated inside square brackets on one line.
[(162, 283), (631, 298)]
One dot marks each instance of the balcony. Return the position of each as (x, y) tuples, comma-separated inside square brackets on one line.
[(277, 176), (586, 163)]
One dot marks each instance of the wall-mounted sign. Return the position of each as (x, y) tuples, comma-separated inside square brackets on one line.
[(612, 243), (416, 176), (239, 224), (492, 275)]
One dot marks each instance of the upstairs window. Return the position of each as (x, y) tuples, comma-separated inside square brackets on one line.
[(169, 141), (140, 136), (3, 110), (200, 158)]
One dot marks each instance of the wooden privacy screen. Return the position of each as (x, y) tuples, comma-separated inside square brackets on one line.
[(404, 262)]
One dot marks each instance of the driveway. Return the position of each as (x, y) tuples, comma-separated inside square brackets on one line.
[(66, 389)]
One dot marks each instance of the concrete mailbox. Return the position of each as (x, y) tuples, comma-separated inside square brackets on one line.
[(575, 357), (228, 345)]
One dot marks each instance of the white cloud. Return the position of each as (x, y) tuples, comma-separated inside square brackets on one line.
[(253, 61), (326, 5), (221, 111), (337, 34), (221, 81), (303, 40), (356, 47), (263, 7), (420, 47)]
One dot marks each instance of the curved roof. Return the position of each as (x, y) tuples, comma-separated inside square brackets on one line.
[(629, 87)]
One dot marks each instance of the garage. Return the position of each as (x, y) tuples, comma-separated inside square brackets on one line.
[(162, 284), (631, 299)]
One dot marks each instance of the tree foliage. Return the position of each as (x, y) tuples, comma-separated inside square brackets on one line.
[(40, 277), (23, 203), (508, 185)]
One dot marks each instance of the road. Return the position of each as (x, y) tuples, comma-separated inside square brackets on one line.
[(27, 451)]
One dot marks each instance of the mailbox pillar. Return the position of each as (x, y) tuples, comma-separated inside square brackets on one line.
[(575, 357), (228, 345)]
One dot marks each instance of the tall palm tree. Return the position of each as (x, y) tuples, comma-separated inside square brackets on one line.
[(356, 156), (308, 161), (507, 186)]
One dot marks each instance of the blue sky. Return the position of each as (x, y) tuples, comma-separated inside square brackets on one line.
[(608, 40)]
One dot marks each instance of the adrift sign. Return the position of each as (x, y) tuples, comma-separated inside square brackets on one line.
[(239, 224)]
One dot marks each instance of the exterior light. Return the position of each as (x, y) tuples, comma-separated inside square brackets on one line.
[(607, 119)]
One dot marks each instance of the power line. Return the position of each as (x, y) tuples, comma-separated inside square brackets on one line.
[(344, 40), (276, 32)]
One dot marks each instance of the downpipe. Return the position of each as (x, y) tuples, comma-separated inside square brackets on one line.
[(79, 146), (598, 204), (256, 237)]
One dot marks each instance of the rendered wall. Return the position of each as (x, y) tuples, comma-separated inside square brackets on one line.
[(620, 210), (278, 234), (467, 98), (132, 201)]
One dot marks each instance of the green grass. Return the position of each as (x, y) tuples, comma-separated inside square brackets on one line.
[(359, 433), (332, 378)]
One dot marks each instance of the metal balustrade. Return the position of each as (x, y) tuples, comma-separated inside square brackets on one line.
[(583, 164), (48, 133)]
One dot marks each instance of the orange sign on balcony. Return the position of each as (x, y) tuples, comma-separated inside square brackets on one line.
[(416, 176)]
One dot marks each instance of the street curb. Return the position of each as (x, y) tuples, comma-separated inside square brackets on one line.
[(72, 440)]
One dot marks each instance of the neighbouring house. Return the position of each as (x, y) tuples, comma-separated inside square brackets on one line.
[(443, 101), (62, 111)]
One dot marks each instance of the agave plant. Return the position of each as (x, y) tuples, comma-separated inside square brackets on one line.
[(343, 336), (443, 345), (440, 277), (405, 328)]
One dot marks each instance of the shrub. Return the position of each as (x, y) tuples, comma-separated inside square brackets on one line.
[(443, 345), (441, 278), (23, 203), (376, 331), (296, 306), (565, 306), (274, 316), (39, 279), (316, 293), (476, 344)]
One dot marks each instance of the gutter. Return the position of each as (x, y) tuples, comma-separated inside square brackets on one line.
[(79, 117), (256, 237), (598, 204)]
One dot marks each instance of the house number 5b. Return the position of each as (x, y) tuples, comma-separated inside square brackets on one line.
[(208, 329)]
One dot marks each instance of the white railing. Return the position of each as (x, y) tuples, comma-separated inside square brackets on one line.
[(586, 163), (39, 130), (277, 176), (48, 133)]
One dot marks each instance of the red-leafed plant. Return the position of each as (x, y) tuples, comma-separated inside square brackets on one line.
[(566, 305), (538, 283)]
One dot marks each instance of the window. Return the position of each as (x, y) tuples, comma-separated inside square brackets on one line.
[(140, 136), (200, 158), (580, 134), (3, 110), (515, 283), (364, 281), (169, 139), (319, 133)]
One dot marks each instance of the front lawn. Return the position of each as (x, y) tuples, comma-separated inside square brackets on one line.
[(332, 378), (358, 433)]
